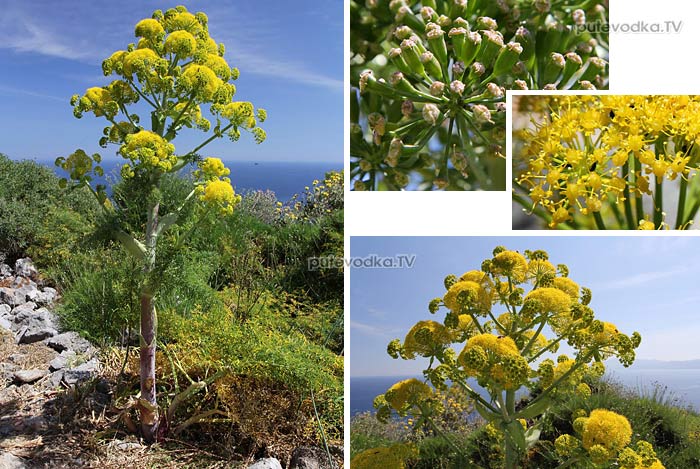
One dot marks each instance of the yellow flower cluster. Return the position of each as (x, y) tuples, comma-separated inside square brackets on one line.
[(147, 151), (468, 295), (496, 359), (390, 457), (215, 187), (426, 339), (586, 150), (604, 438), (166, 39), (407, 393)]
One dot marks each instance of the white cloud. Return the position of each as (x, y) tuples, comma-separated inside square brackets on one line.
[(4, 89), (640, 279)]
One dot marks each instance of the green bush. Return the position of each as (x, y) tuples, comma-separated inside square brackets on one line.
[(37, 217)]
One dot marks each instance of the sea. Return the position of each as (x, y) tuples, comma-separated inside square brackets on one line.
[(681, 386), (281, 177)]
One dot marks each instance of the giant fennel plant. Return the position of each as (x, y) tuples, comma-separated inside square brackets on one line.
[(501, 331), (429, 80), (176, 68)]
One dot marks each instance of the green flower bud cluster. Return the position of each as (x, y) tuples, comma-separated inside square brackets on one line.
[(428, 107)]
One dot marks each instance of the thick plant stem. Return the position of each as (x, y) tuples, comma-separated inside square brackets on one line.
[(148, 406), (149, 325), (511, 450)]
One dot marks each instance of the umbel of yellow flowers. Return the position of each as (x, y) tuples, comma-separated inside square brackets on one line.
[(502, 328), (603, 438), (176, 68), (599, 161)]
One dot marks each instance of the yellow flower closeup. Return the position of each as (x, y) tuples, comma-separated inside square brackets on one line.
[(607, 429), (405, 393)]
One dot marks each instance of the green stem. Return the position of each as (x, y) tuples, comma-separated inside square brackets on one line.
[(599, 221), (534, 337), (638, 203), (140, 93), (681, 202), (443, 174), (626, 194), (209, 140), (658, 201), (618, 215)]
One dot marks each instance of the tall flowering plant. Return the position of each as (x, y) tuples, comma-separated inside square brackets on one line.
[(608, 161), (429, 80), (502, 327), (176, 68)]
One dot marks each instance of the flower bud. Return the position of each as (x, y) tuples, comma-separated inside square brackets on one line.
[(396, 57), (596, 66), (482, 114), (491, 46), (437, 89), (441, 183), (520, 84), (524, 37), (508, 56), (399, 82), (400, 179), (436, 39), (402, 32), (476, 70), (411, 54), (573, 65), (459, 161), (359, 185), (365, 165), (520, 70), (457, 69), (407, 108), (377, 123), (554, 67), (431, 64), (428, 14), (392, 157), (431, 113), (444, 21), (579, 17), (457, 87), (485, 22), (495, 90), (395, 5), (543, 6), (587, 85), (405, 15)]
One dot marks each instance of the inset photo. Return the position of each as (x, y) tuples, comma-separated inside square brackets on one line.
[(523, 352), (428, 84), (605, 162)]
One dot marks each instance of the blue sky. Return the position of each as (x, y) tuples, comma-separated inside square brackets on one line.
[(290, 56), (648, 284)]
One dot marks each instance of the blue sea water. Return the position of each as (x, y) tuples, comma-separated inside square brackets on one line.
[(682, 386), (283, 178)]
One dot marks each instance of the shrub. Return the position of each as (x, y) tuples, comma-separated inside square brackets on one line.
[(37, 217)]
